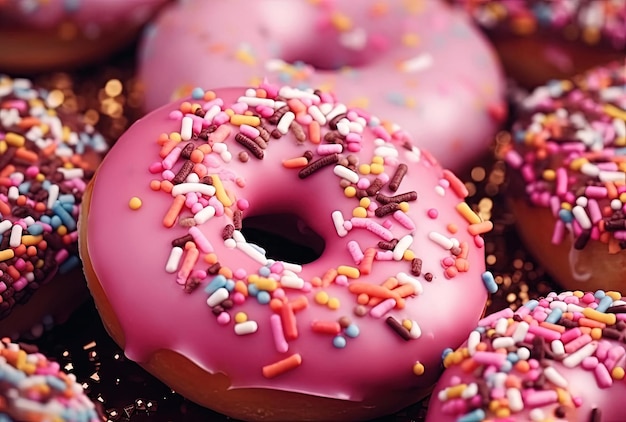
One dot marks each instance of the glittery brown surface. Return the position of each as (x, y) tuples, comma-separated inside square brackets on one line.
[(110, 98)]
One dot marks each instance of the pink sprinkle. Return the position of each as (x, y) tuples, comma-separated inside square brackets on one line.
[(341, 280), (387, 223), (242, 204), (171, 158), (304, 119), (479, 242), (223, 318), (590, 362), (196, 208), (156, 167), (239, 108), (433, 213), (32, 171), (238, 298), (176, 115)]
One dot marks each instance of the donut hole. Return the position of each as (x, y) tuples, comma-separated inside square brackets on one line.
[(285, 237)]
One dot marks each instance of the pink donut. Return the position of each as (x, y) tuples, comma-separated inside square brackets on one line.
[(352, 331), (559, 358), (39, 35), (419, 64)]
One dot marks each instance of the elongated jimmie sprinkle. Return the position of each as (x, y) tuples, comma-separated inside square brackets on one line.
[(318, 164)]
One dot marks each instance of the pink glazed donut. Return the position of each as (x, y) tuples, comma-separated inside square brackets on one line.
[(40, 35), (559, 358), (192, 227), (415, 62)]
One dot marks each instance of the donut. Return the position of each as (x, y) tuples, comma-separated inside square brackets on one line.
[(35, 388), (567, 180), (43, 35), (299, 259), (558, 358), (47, 155), (417, 63), (539, 40)]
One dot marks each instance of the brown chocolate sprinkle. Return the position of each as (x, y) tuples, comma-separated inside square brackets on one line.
[(187, 150), (227, 231), (416, 266), (376, 186), (386, 209), (596, 415), (318, 164), (398, 328), (250, 145), (184, 171), (181, 241), (278, 114), (214, 269), (298, 132), (308, 154), (403, 197), (237, 219), (428, 277), (397, 177), (383, 244), (265, 135), (207, 180)]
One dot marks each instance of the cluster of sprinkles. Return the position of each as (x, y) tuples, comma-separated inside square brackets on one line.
[(43, 175), (35, 388), (518, 358), (213, 133), (587, 21), (569, 146)]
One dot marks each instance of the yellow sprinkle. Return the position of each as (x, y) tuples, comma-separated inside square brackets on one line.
[(376, 168), (617, 373), (596, 333), (365, 202), (348, 271), (464, 209), (240, 119), (30, 240), (14, 139), (364, 169), (361, 102), (614, 295), (577, 163), (621, 141), (378, 160), (350, 191), (220, 192), (210, 258), (240, 317), (3, 147), (615, 112), (407, 323), (245, 57), (455, 391), (566, 206), (418, 368), (61, 230), (175, 136), (563, 396), (267, 284), (493, 405), (333, 303), (549, 175), (359, 212), (321, 298), (409, 255), (411, 40), (341, 22), (134, 203), (6, 254), (404, 206), (503, 412), (608, 319), (622, 197)]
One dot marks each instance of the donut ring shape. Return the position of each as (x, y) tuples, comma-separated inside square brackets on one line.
[(419, 64), (315, 327)]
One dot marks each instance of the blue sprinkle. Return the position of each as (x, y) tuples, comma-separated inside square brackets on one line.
[(65, 216), (46, 185), (45, 219), (531, 304), (352, 331), (23, 188), (566, 216), (253, 290), (339, 342), (263, 297), (519, 136), (71, 5), (506, 366), (512, 357), (35, 229), (67, 198), (473, 416), (554, 316), (217, 282), (604, 304), (67, 206), (69, 264), (490, 282), (599, 294), (264, 272), (446, 352), (197, 93), (230, 285), (99, 144), (55, 221), (55, 383)]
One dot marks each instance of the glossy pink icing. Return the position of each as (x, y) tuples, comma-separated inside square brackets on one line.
[(129, 250), (582, 388), (91, 16), (417, 63)]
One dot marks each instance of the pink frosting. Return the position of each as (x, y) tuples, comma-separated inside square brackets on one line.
[(129, 250), (419, 64), (91, 16)]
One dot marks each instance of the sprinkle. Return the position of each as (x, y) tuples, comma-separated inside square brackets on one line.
[(397, 177), (282, 366), (318, 164)]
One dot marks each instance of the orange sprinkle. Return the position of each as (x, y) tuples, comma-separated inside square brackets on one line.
[(241, 287), (5, 209), (363, 299), (405, 290), (174, 210), (13, 272), (20, 250), (28, 122), (316, 281), (196, 156), (587, 322), (469, 365), (276, 304), (553, 327), (480, 228), (167, 148), (40, 207), (288, 318), (299, 303), (329, 277), (185, 107), (315, 132), (296, 105), (297, 162), (21, 200), (390, 283), (49, 150), (451, 272), (372, 290), (200, 169), (522, 366), (7, 171), (166, 186), (365, 266), (26, 155), (456, 184), (282, 366), (226, 272)]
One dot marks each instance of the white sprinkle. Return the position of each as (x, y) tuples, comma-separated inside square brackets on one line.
[(171, 266), (247, 327), (217, 297), (346, 173), (256, 101), (201, 188), (574, 359), (404, 278), (415, 331), (16, 236), (317, 114), (472, 342), (443, 241), (340, 108), (5, 225), (514, 397), (612, 176), (503, 342), (252, 252), (285, 122), (204, 215), (581, 217), (291, 282), (386, 151), (418, 63), (53, 195), (212, 112), (402, 246), (555, 377), (186, 128), (520, 331), (338, 221), (74, 173)]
